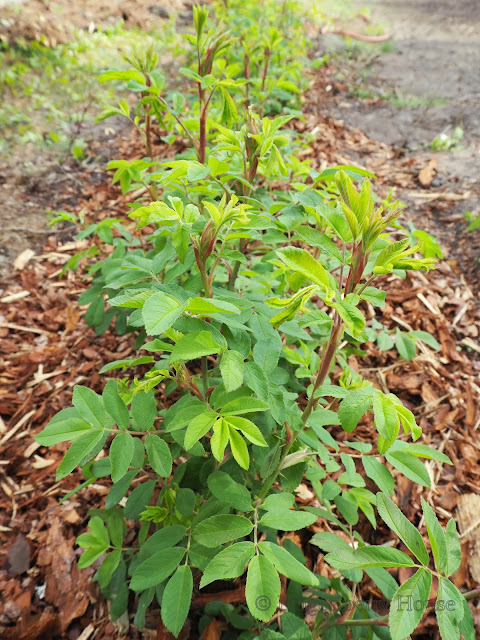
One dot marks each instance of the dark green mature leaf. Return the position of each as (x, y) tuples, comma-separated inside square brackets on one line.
[(159, 455), (177, 598), (144, 410), (227, 490), (263, 588), (114, 405), (121, 454), (165, 538), (379, 473), (449, 609), (77, 452), (409, 604), (232, 368), (156, 568), (405, 530), (454, 551), (287, 520), (410, 466), (89, 405), (373, 556), (354, 406), (229, 563), (436, 536), (467, 623), (287, 565), (62, 429), (217, 530), (384, 580)]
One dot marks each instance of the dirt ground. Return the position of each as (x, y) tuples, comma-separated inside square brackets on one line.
[(433, 71)]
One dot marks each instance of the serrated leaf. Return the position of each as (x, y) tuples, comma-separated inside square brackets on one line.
[(160, 312), (379, 473), (144, 410), (454, 550), (63, 430), (89, 405), (263, 588), (220, 529), (353, 407), (248, 428), (373, 556), (227, 490), (77, 452), (409, 604), (229, 563), (405, 346), (448, 616), (385, 416), (301, 261), (239, 448), (287, 565), (197, 171), (121, 454), (115, 406), (410, 466), (353, 317), (177, 598), (198, 427), (436, 536), (405, 530), (243, 405), (195, 345), (232, 369), (159, 455), (288, 520), (156, 568)]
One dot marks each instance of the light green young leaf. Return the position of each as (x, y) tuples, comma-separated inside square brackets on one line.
[(229, 563), (177, 598), (198, 427), (239, 448), (114, 405), (316, 239), (266, 353), (194, 345), (159, 455), (353, 407), (454, 550), (301, 261), (353, 317), (156, 568), (436, 536), (385, 416), (121, 454), (248, 428), (373, 556), (287, 565), (160, 312), (263, 588), (227, 490), (219, 439), (218, 530), (89, 405), (405, 530), (232, 369), (374, 295), (409, 604), (209, 306), (405, 345)]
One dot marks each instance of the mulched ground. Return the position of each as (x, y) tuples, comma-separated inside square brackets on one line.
[(47, 349)]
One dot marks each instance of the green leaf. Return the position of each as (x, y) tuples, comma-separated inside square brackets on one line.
[(62, 430), (159, 455), (144, 410), (410, 466), (121, 454), (405, 346), (316, 239), (239, 448), (160, 312), (409, 604), (177, 598), (217, 530), (244, 405), (219, 439), (425, 337), (77, 452), (288, 520), (467, 623), (354, 406), (197, 171), (385, 416), (232, 368), (227, 490), (287, 565), (353, 317), (436, 536), (374, 295), (263, 588), (156, 568), (195, 345), (198, 427), (209, 306), (248, 428), (229, 563), (109, 565), (301, 261), (115, 406), (449, 609), (266, 353), (373, 556), (163, 539), (454, 551), (384, 581), (405, 530), (379, 473), (89, 406)]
